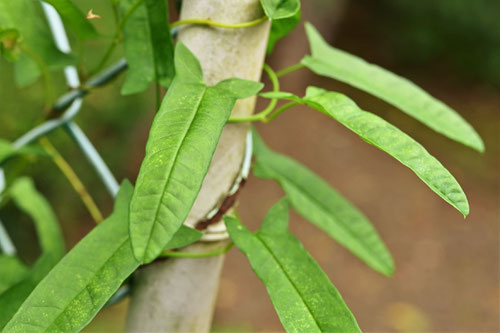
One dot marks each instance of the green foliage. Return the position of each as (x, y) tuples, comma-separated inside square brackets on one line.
[(411, 99), (280, 9), (183, 237), (22, 15), (83, 281), (7, 151), (9, 44), (51, 241), (12, 271), (316, 201), (149, 47), (302, 294), (180, 146), (74, 19), (281, 28)]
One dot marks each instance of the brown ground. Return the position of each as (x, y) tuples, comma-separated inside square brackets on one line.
[(447, 276)]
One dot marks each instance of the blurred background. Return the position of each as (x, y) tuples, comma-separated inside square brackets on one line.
[(447, 269)]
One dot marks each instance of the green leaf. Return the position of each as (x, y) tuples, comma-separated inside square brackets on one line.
[(281, 28), (179, 150), (184, 237), (9, 44), (411, 99), (7, 151), (317, 202), (27, 198), (12, 271), (302, 294), (149, 47), (51, 242), (24, 15), (280, 9), (83, 281), (74, 19), (386, 137)]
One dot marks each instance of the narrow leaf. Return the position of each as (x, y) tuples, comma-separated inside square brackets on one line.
[(23, 15), (281, 28), (12, 271), (179, 150), (280, 9), (82, 282), (184, 237), (302, 294), (393, 141), (317, 202), (400, 92), (74, 18), (148, 45)]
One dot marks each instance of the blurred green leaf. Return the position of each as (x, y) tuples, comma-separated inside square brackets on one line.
[(302, 294), (411, 99), (51, 241), (74, 18), (9, 44), (83, 281), (25, 16), (280, 9), (281, 28), (7, 151), (149, 48), (12, 271), (317, 202), (183, 237), (179, 150)]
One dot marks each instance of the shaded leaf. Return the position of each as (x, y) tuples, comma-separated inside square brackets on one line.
[(82, 282), (149, 48), (281, 28), (74, 18), (302, 294), (12, 271), (280, 9), (184, 237), (400, 92), (23, 15), (179, 150), (317, 202)]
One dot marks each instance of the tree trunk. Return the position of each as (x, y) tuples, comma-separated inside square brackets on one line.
[(178, 295)]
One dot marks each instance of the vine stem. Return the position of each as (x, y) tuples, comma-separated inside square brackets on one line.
[(216, 252), (49, 91), (261, 116), (219, 24), (290, 69), (72, 177)]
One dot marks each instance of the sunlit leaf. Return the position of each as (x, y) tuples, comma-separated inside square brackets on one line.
[(179, 150), (148, 45), (280, 9), (317, 202), (24, 16), (83, 281), (281, 28), (74, 19), (302, 294), (400, 92)]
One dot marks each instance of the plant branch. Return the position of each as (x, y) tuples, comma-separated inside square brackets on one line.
[(219, 24), (72, 177), (289, 69)]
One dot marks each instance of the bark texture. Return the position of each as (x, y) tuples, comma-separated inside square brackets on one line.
[(178, 295)]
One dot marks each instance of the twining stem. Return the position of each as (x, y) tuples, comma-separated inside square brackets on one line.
[(261, 116), (280, 110), (177, 254), (116, 37), (289, 69), (73, 179), (219, 24), (49, 92)]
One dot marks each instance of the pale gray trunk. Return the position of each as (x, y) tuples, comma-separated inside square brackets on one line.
[(178, 295)]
